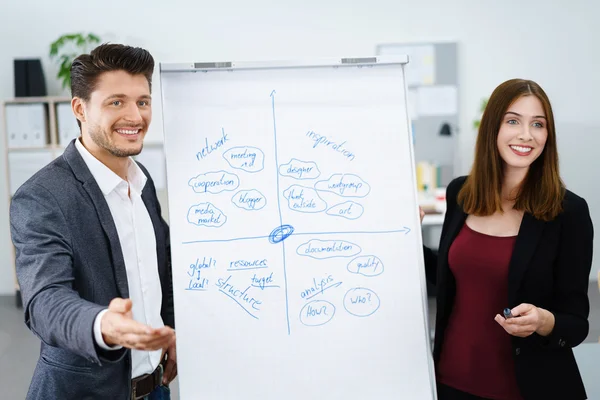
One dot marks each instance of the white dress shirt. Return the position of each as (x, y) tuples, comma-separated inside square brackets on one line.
[(138, 243)]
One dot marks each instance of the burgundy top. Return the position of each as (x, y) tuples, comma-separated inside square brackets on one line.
[(476, 354)]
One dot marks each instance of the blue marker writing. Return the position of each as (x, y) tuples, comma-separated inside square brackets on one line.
[(507, 313)]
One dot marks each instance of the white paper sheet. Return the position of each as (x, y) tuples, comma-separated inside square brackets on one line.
[(437, 100), (420, 69)]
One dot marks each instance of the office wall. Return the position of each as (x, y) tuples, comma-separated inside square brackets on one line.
[(551, 42)]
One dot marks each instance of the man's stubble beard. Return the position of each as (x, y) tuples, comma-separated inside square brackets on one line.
[(101, 139)]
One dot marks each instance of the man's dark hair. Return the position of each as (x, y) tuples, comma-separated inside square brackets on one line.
[(86, 68)]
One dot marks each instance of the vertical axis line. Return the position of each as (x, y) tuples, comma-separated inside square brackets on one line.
[(287, 309)]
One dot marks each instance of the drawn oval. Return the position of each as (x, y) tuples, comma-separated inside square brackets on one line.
[(321, 249), (299, 169), (361, 302), (206, 214), (251, 200), (247, 158), (304, 199), (348, 210), (281, 233), (214, 182), (317, 313), (366, 266), (345, 185)]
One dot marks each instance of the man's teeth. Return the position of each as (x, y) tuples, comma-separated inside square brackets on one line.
[(128, 131), (521, 149)]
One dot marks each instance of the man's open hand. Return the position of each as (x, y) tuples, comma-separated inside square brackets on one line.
[(119, 328)]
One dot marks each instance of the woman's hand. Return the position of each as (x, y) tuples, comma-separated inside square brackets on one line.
[(527, 319), (422, 213)]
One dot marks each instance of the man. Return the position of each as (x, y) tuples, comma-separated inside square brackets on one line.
[(93, 255)]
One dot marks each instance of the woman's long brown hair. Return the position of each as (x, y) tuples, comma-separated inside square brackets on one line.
[(542, 191)]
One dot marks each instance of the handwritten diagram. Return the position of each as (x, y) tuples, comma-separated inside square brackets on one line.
[(339, 274)]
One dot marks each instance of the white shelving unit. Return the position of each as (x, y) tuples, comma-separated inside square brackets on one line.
[(32, 120)]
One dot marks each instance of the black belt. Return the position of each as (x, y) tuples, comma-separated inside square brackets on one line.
[(144, 385)]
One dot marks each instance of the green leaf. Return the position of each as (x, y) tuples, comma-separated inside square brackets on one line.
[(93, 38)]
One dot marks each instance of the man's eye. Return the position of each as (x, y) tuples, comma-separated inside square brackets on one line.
[(116, 103)]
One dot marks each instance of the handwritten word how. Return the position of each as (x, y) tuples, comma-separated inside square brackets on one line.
[(214, 182), (304, 199), (345, 185), (317, 312), (208, 149), (300, 169), (322, 140), (322, 249), (249, 159), (206, 214)]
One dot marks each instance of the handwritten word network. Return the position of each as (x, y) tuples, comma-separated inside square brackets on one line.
[(208, 149)]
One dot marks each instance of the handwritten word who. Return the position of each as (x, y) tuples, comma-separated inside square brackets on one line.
[(212, 146)]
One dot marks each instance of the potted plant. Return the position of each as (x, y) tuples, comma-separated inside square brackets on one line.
[(66, 48), (481, 110)]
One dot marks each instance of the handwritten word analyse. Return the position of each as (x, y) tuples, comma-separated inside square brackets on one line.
[(251, 200), (345, 185), (366, 265), (304, 199), (213, 146), (249, 159), (323, 141), (348, 210), (317, 312), (300, 169), (242, 297), (214, 182), (319, 286), (322, 249), (206, 214), (361, 302)]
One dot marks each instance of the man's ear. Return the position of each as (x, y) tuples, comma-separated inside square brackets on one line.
[(78, 108)]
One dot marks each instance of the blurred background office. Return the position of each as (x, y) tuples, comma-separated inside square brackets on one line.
[(460, 51)]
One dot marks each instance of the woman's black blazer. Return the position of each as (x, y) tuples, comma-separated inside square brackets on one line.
[(549, 268)]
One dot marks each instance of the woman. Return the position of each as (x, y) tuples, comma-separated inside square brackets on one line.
[(513, 237)]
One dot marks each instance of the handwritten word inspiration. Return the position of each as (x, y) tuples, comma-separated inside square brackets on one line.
[(322, 140)]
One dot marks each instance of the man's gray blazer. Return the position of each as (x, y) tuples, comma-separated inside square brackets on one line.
[(69, 267)]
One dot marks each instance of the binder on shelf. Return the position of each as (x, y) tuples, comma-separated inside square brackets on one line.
[(27, 125)]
